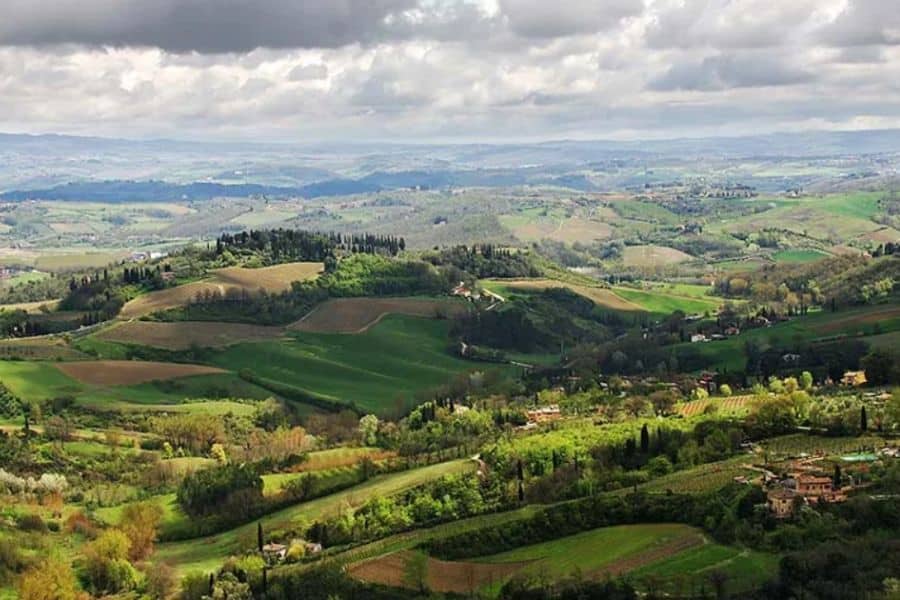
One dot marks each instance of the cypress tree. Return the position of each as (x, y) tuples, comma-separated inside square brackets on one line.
[(259, 536), (645, 439), (863, 420)]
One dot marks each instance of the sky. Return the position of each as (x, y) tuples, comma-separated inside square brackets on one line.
[(444, 70)]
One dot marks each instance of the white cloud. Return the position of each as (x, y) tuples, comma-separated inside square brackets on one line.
[(447, 68)]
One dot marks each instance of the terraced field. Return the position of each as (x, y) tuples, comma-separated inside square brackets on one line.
[(272, 279), (356, 315)]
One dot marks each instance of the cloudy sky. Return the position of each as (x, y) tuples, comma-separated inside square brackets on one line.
[(424, 70)]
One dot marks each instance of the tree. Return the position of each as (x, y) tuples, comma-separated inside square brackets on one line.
[(368, 430), (837, 477), (645, 439), (227, 587), (260, 541), (106, 565), (880, 366), (806, 380), (160, 581), (725, 390), (863, 420), (139, 523), (53, 579)]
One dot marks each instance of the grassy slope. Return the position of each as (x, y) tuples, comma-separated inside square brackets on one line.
[(663, 301), (379, 370), (819, 325), (207, 553)]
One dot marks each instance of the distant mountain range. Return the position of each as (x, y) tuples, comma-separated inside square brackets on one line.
[(68, 168)]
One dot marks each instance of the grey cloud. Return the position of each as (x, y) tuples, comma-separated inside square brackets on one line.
[(308, 72), (547, 18), (727, 23), (205, 26), (726, 71), (865, 23)]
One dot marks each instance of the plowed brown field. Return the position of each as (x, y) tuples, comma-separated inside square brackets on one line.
[(130, 372)]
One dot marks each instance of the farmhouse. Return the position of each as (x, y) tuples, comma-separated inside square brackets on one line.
[(543, 414), (781, 503), (854, 378)]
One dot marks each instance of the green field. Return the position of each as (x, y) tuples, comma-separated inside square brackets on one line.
[(208, 553), (864, 322), (41, 380), (379, 370), (800, 255), (664, 300), (667, 552)]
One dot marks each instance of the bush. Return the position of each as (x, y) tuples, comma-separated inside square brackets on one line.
[(31, 523)]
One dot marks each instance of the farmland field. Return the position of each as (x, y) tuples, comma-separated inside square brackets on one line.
[(660, 551), (127, 372), (183, 335), (665, 302), (736, 405), (864, 322), (799, 255), (601, 296), (379, 370), (272, 279), (648, 256), (31, 307), (356, 315), (207, 553)]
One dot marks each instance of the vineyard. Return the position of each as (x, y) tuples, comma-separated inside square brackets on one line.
[(735, 405)]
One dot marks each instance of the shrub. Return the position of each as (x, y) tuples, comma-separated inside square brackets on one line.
[(31, 523)]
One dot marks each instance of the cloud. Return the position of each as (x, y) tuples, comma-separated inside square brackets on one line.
[(308, 72), (726, 71), (865, 23), (205, 26), (422, 69), (548, 19)]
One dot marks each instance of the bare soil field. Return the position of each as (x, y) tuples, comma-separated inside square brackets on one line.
[(272, 279), (130, 372), (600, 296), (356, 315), (648, 256), (570, 231), (442, 576), (185, 334)]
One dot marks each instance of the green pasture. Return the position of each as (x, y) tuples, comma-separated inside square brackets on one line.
[(379, 370), (799, 255), (660, 300)]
